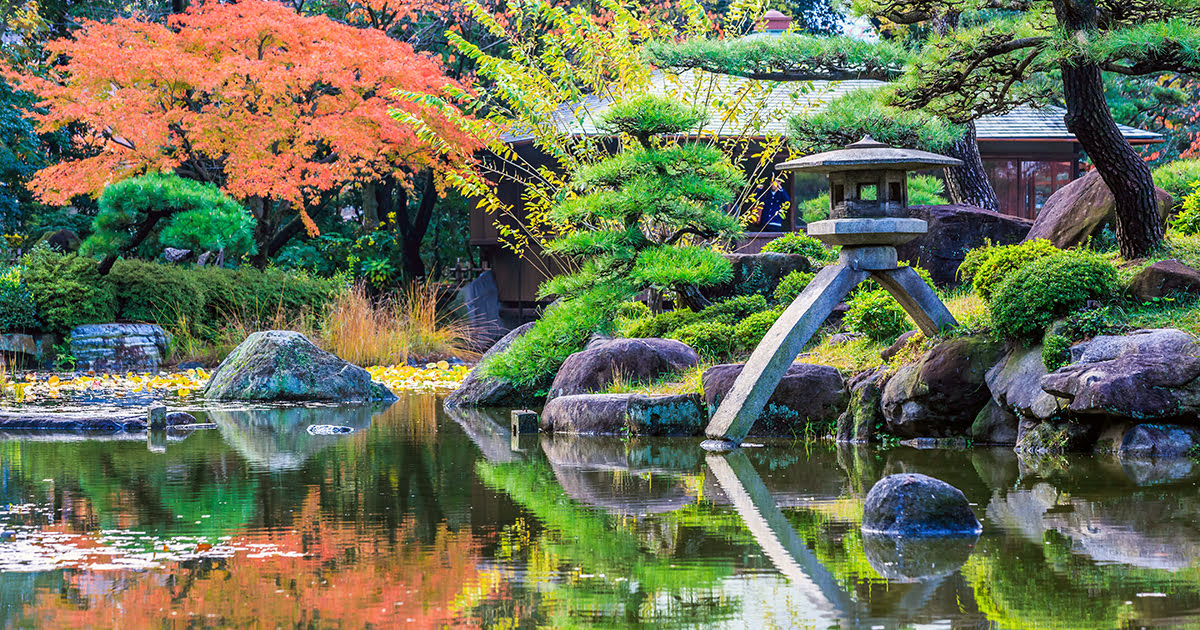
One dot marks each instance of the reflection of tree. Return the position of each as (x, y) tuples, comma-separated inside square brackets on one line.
[(619, 571), (327, 574)]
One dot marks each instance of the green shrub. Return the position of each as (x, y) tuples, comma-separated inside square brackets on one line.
[(988, 267), (17, 311), (750, 331), (155, 293), (735, 308), (67, 289), (713, 340), (792, 285), (250, 295), (876, 314), (1056, 351), (1178, 177), (1187, 220), (661, 325), (803, 244), (1048, 288), (816, 209), (633, 310)]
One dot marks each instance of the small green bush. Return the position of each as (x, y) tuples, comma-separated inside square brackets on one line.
[(988, 267), (750, 331), (155, 293), (792, 285), (67, 289), (735, 308), (1056, 351), (17, 311), (661, 325), (876, 314), (1178, 177), (803, 244), (1187, 220), (713, 340), (1049, 288)]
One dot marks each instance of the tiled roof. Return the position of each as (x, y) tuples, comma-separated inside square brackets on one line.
[(767, 106)]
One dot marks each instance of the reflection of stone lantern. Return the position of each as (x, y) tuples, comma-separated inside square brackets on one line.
[(868, 217)]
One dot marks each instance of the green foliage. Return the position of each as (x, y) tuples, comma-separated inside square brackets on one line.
[(800, 243), (672, 266), (254, 297), (1048, 288), (154, 293), (876, 314), (17, 311), (1056, 351), (988, 267), (712, 339), (750, 331), (1187, 220), (179, 212), (67, 289), (1178, 177), (791, 56), (649, 115), (661, 325), (868, 112), (735, 308), (531, 362), (792, 285)]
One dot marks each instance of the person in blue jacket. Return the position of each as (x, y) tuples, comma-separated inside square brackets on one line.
[(773, 199)]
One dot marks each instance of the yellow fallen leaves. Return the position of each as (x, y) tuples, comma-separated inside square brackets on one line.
[(434, 376), (34, 386)]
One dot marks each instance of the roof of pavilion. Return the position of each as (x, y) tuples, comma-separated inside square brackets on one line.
[(751, 107)]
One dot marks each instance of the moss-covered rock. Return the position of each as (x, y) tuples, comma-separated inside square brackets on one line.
[(941, 393)]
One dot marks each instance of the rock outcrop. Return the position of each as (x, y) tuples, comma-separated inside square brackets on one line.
[(281, 365), (480, 390), (119, 347), (624, 414), (941, 393), (1164, 278), (1081, 210), (953, 231), (1016, 385), (808, 394), (632, 360), (1160, 440), (912, 504), (863, 417), (1145, 375)]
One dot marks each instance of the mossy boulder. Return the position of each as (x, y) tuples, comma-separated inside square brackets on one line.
[(281, 365), (809, 398), (941, 393)]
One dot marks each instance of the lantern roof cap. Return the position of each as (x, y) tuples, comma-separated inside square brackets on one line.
[(868, 154)]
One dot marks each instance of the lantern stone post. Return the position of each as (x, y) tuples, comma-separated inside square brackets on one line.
[(868, 218)]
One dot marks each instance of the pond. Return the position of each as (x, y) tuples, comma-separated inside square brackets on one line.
[(419, 518)]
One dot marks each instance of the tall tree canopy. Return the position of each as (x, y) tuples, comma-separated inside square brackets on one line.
[(277, 108)]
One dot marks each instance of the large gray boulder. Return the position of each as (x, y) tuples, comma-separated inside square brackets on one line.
[(1145, 375), (941, 393), (1081, 210), (1016, 385), (480, 390), (624, 414), (282, 365), (912, 504), (633, 360), (994, 425), (808, 395), (1164, 278), (119, 347), (953, 231)]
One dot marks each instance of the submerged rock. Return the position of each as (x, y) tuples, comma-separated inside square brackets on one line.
[(912, 504), (285, 365), (808, 394), (633, 360), (941, 393), (480, 390), (1081, 210), (619, 414), (1145, 375)]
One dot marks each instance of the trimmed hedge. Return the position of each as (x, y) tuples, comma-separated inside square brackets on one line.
[(1048, 288)]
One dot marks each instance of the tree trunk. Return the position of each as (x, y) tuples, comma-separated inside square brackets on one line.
[(1139, 228), (969, 184), (262, 230)]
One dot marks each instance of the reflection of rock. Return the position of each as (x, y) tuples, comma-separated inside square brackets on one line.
[(281, 365), (615, 414), (912, 504), (278, 439), (621, 477), (488, 429), (907, 559), (1160, 440), (1151, 471), (1131, 531)]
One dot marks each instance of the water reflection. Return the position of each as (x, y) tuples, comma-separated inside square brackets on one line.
[(426, 519)]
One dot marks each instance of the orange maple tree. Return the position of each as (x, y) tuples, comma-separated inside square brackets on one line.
[(279, 109)]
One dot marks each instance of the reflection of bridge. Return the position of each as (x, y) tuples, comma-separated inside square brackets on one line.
[(580, 463)]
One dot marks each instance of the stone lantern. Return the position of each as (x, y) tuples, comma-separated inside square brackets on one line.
[(868, 218)]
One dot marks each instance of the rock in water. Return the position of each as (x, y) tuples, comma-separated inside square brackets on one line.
[(635, 360), (480, 390), (807, 394), (941, 393), (1160, 440), (285, 365), (328, 429), (119, 347), (911, 504)]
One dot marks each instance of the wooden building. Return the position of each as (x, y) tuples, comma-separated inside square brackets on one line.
[(1028, 154)]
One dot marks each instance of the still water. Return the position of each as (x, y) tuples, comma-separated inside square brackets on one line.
[(420, 519)]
